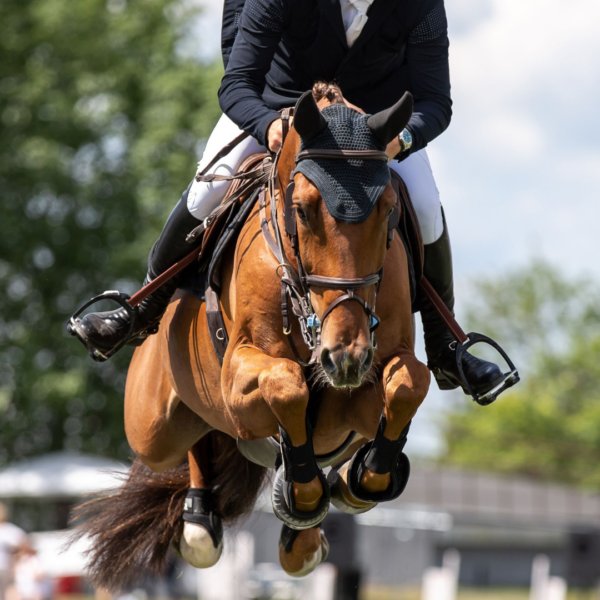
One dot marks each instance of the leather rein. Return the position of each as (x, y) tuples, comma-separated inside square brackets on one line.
[(296, 284)]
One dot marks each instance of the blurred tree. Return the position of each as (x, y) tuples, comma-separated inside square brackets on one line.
[(549, 425), (100, 118)]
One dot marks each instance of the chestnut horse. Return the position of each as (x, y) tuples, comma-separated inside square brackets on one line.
[(181, 404)]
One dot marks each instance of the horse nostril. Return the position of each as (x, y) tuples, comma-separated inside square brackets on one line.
[(327, 362), (367, 360)]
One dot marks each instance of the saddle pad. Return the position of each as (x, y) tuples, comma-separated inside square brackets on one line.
[(195, 278), (214, 232)]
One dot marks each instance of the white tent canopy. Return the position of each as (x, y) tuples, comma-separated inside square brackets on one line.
[(60, 475)]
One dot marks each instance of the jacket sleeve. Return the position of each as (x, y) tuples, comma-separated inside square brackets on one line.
[(240, 95), (427, 58)]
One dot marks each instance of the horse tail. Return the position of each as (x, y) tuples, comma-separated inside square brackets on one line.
[(133, 527)]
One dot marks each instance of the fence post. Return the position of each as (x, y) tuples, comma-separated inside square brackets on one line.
[(442, 583)]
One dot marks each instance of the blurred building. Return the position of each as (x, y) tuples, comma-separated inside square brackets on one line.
[(40, 492), (498, 523)]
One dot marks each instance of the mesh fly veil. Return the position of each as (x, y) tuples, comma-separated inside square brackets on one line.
[(349, 188)]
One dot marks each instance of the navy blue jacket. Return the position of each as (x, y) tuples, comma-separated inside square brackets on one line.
[(282, 47)]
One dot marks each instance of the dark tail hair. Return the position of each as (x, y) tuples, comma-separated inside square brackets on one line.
[(132, 527)]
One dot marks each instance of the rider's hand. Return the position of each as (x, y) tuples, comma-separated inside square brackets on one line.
[(393, 148), (275, 135)]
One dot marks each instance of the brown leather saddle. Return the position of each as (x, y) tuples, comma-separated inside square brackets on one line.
[(204, 281)]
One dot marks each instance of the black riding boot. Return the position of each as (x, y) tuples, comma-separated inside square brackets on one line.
[(104, 330), (439, 343)]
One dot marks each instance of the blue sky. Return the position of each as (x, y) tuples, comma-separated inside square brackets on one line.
[(519, 168)]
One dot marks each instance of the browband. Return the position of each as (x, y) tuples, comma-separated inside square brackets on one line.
[(312, 154)]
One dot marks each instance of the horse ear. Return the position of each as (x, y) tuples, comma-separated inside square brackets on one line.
[(387, 124), (308, 120)]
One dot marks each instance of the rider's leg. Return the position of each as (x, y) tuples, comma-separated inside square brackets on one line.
[(106, 329), (203, 197), (483, 376)]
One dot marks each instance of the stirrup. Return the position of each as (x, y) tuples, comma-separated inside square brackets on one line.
[(298, 465), (511, 377), (74, 326)]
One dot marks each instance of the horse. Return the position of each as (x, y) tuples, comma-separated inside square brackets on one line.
[(192, 422)]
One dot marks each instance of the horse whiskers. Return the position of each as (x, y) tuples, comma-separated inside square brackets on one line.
[(318, 378), (371, 377)]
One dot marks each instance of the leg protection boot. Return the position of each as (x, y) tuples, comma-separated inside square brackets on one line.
[(104, 330), (439, 343)]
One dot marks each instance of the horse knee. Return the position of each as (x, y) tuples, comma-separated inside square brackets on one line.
[(408, 386), (284, 388)]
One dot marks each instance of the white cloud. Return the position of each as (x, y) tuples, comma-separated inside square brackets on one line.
[(521, 160)]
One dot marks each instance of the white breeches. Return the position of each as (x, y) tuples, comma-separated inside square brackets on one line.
[(416, 172)]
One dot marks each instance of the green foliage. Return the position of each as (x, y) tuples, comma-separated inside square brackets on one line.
[(99, 122), (549, 425), (535, 311)]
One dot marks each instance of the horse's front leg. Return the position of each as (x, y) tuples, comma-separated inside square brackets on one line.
[(269, 396), (379, 471)]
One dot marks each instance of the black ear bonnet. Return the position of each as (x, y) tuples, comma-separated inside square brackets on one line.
[(349, 188)]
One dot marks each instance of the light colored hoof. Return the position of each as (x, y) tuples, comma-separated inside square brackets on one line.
[(312, 563), (197, 547), (341, 495)]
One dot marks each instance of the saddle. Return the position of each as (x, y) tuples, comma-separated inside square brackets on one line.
[(204, 281)]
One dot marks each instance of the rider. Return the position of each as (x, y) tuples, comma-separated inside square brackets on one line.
[(374, 50)]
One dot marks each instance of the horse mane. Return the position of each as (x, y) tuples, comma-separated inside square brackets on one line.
[(328, 91)]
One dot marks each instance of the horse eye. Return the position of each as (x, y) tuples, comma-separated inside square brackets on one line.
[(390, 213), (301, 214)]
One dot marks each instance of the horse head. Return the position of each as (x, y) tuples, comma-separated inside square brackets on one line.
[(342, 211)]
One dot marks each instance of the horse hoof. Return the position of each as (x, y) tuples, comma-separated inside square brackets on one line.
[(294, 519), (341, 495), (399, 476), (197, 546), (286, 541)]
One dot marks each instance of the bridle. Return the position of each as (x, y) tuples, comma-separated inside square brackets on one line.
[(296, 284)]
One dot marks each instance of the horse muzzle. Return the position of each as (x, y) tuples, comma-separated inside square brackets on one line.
[(346, 367)]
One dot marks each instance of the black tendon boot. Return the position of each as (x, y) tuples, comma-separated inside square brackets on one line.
[(439, 343), (104, 330)]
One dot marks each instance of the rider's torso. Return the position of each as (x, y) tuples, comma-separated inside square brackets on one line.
[(313, 48)]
